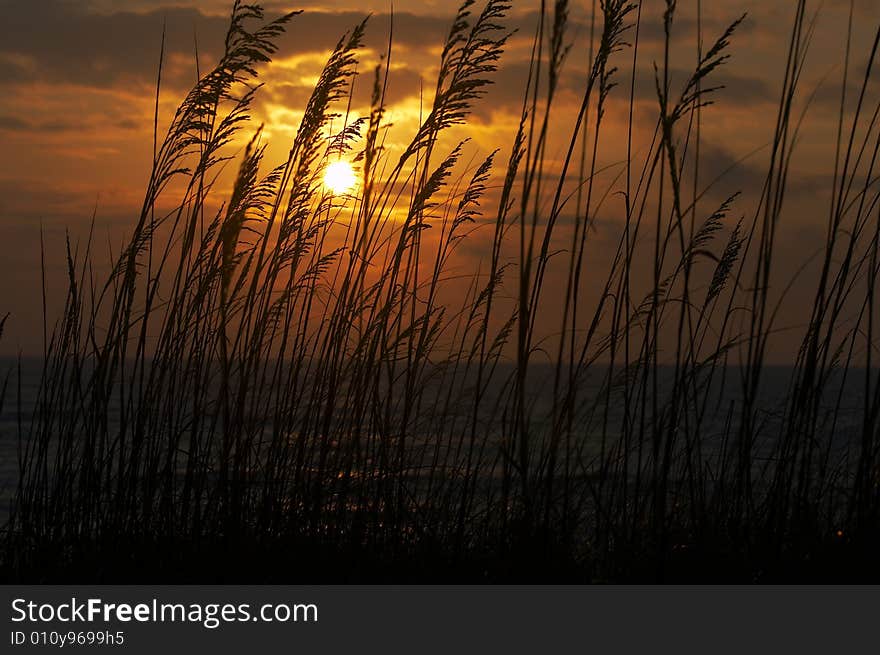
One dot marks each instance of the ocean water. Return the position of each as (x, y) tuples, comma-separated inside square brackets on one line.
[(21, 380), (598, 414)]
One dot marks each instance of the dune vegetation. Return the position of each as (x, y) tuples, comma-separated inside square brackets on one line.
[(289, 384)]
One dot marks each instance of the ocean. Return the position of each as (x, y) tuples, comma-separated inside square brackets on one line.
[(598, 415)]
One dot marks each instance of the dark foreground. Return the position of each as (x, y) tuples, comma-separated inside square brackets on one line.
[(526, 561)]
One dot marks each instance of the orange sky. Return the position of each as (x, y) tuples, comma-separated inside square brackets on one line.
[(79, 77)]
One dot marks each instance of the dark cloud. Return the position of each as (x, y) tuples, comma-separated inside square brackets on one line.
[(730, 88), (13, 123), (726, 173), (63, 43), (827, 93), (685, 28), (21, 125), (723, 173)]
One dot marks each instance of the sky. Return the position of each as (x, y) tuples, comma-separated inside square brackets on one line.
[(79, 77)]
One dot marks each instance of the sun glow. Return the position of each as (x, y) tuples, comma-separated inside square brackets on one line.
[(339, 178)]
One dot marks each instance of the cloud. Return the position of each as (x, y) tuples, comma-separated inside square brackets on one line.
[(13, 123), (61, 125), (62, 41), (58, 41), (65, 43)]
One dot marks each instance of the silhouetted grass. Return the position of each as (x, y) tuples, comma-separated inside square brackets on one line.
[(281, 390)]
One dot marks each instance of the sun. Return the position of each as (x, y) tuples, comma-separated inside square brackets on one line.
[(339, 178)]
